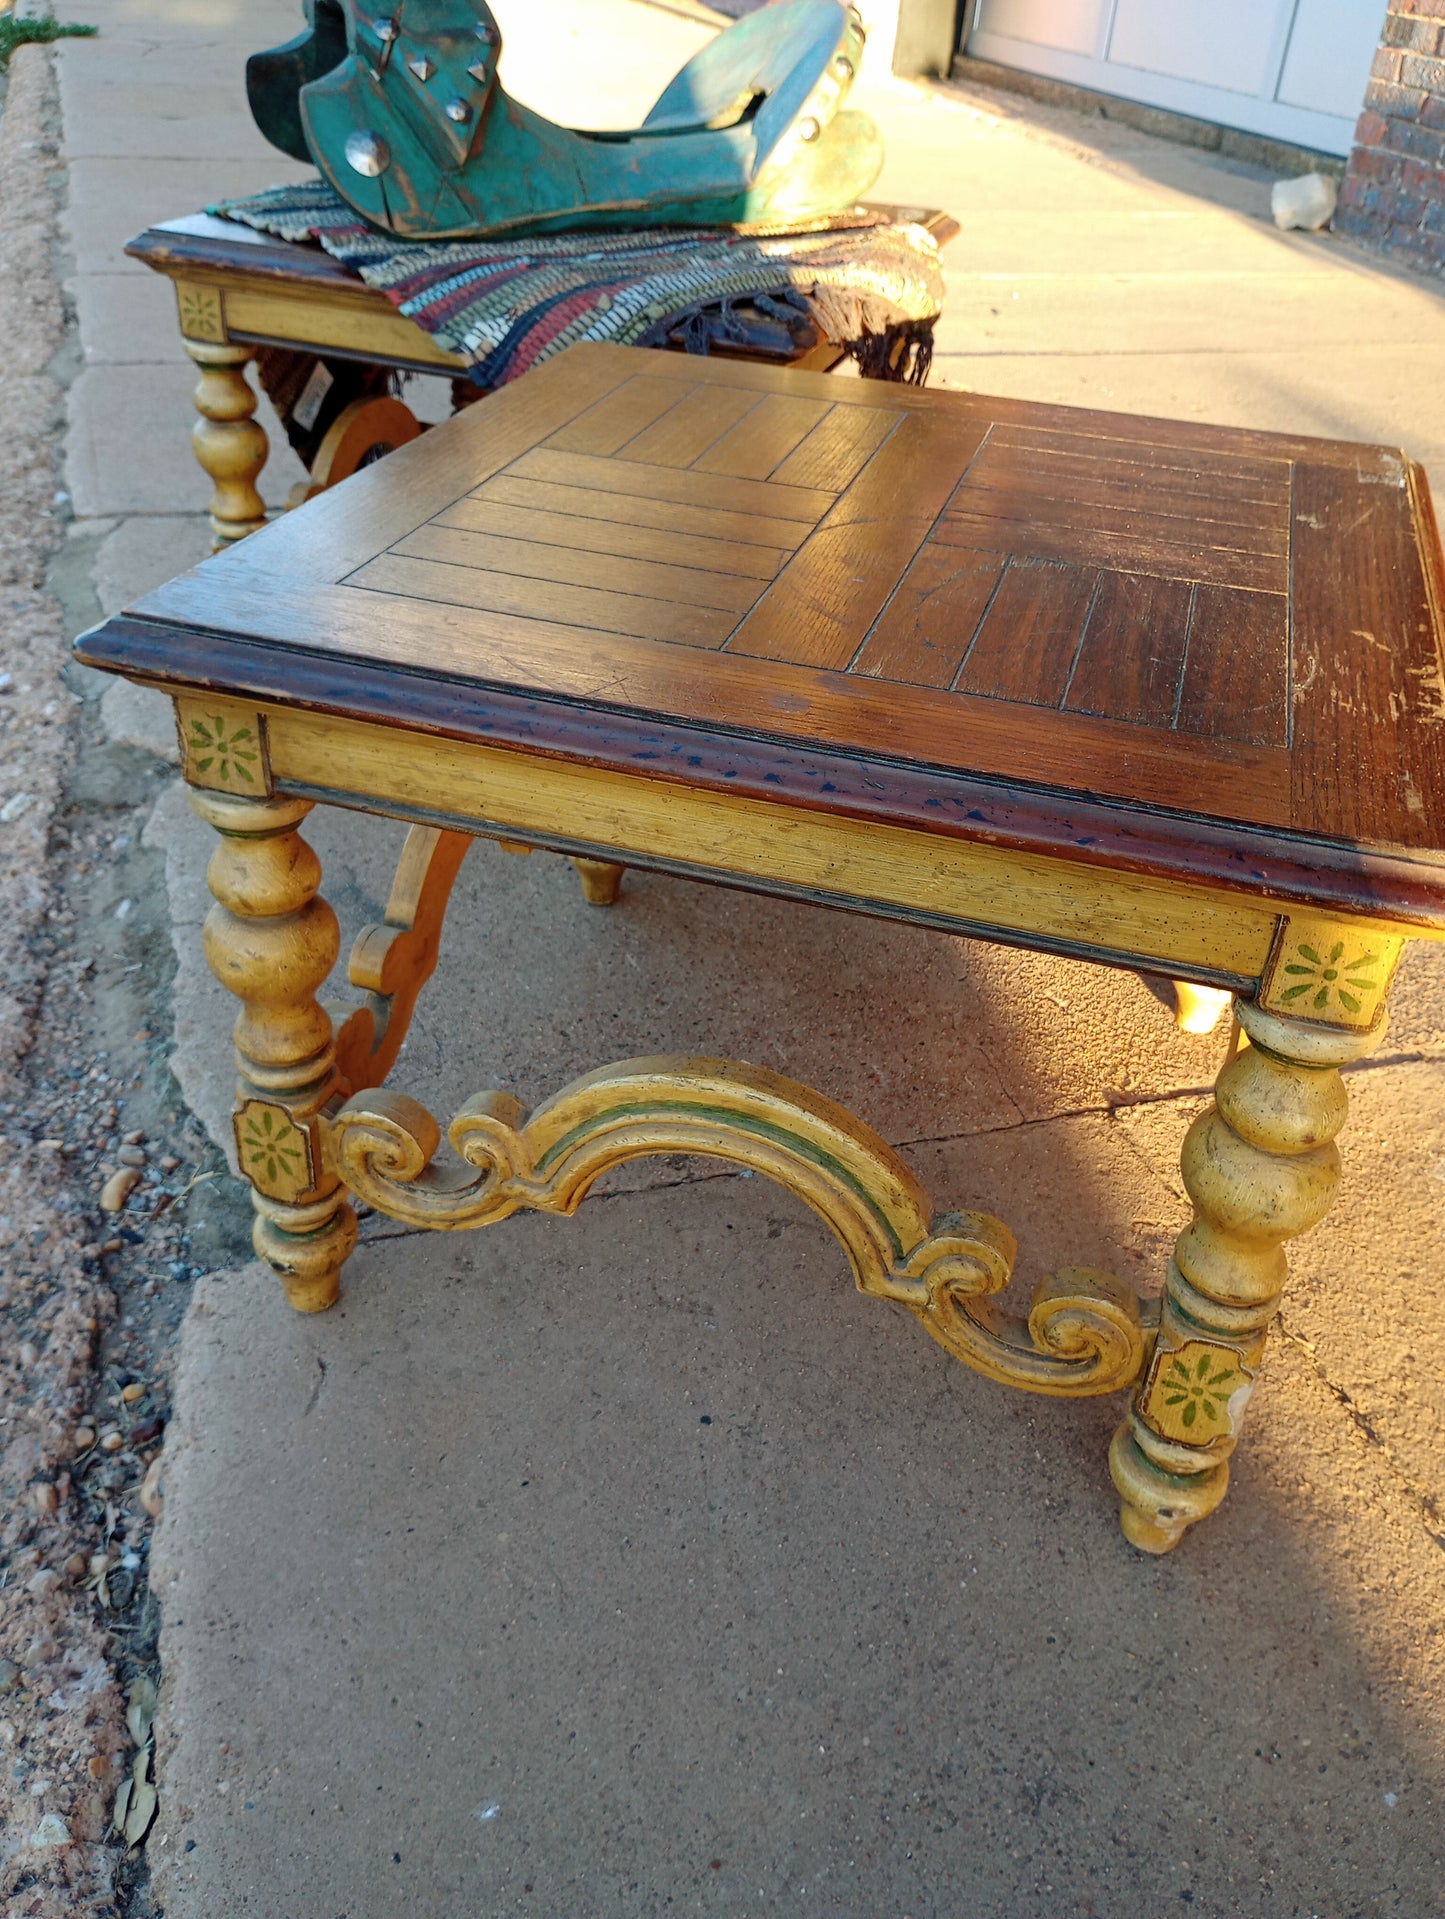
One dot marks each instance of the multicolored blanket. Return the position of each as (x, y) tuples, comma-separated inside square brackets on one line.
[(874, 287)]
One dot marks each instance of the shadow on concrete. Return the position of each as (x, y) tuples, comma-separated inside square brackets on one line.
[(632, 1563)]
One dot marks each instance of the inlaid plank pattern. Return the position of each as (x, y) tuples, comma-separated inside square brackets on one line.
[(840, 580), (1120, 504), (608, 536), (691, 522), (1089, 488), (1117, 674), (763, 438), (928, 625), (616, 418), (575, 606), (1025, 648), (1236, 674), (1144, 548), (531, 560), (691, 426), (678, 486), (1078, 610), (837, 449), (1160, 453)]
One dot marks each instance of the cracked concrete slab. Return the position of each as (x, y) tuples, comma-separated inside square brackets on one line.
[(633, 1562)]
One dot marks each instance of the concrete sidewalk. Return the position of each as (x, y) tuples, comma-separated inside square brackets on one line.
[(633, 1564)]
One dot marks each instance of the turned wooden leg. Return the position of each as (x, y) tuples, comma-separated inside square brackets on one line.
[(1260, 1166), (601, 880), (229, 444), (271, 940)]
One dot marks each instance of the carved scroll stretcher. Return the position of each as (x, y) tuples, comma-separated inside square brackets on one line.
[(1086, 1332)]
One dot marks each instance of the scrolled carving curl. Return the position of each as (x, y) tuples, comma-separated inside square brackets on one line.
[(1083, 1335)]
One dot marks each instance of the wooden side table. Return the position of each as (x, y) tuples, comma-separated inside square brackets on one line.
[(1159, 695), (239, 292)]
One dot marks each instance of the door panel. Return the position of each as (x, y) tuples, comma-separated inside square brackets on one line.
[(1328, 63), (1074, 26), (1230, 43)]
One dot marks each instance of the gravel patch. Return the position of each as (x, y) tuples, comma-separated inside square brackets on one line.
[(90, 1298)]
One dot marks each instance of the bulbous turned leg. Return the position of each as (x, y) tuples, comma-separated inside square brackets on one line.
[(271, 940), (229, 444), (1261, 1167)]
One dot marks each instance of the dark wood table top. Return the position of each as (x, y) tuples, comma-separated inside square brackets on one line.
[(1177, 649)]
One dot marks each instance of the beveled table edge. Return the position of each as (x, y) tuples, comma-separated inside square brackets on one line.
[(1265, 864)]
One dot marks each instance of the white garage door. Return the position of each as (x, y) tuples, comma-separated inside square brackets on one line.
[(1293, 69)]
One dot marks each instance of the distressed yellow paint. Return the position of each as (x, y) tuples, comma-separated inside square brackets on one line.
[(1085, 1333), (273, 1152), (1195, 1392), (202, 314), (331, 322), (1126, 914), (1333, 972), (223, 747)]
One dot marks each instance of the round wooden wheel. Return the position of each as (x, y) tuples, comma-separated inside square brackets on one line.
[(361, 433)]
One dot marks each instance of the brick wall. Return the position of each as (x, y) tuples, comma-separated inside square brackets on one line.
[(1393, 195)]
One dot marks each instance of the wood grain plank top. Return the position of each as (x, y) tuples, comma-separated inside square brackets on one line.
[(625, 510), (679, 486), (1028, 639), (842, 577), (1174, 623), (582, 608), (691, 425), (1368, 733), (763, 438), (627, 540), (1139, 683), (616, 418), (837, 449), (1236, 675), (932, 616), (535, 560)]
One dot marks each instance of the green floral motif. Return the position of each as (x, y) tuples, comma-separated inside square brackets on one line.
[(271, 1145), (200, 309), (1199, 1392), (1330, 977), (233, 754)]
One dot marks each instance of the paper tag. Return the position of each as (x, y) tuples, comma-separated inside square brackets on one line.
[(308, 406)]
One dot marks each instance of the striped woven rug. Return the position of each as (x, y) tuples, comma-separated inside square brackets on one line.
[(874, 287)]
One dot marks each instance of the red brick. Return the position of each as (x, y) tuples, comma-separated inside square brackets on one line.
[(1424, 249), (1352, 191), (1417, 71), (1384, 169), (1394, 103), (1417, 36), (1386, 64), (1432, 113), (1408, 210), (1419, 9), (1370, 130), (1425, 144), (1426, 181)]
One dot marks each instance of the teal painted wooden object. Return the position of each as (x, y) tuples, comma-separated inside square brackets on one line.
[(411, 125)]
